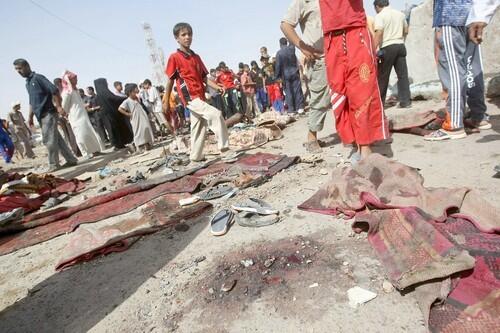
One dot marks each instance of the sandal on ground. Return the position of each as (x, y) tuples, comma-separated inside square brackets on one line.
[(253, 205), (215, 192), (355, 158), (220, 222), (312, 147), (252, 220), (442, 134)]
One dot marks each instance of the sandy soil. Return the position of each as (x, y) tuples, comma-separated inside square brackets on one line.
[(171, 281)]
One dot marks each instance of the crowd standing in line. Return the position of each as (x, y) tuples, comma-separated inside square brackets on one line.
[(345, 62)]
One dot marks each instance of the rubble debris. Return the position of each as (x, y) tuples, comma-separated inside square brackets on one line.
[(387, 287), (199, 259), (107, 171), (358, 296), (269, 262), (228, 286), (137, 178), (247, 263), (311, 159)]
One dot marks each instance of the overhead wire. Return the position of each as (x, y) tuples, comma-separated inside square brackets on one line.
[(75, 27)]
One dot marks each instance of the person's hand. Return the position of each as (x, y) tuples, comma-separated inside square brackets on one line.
[(476, 32), (166, 108), (61, 112), (310, 53)]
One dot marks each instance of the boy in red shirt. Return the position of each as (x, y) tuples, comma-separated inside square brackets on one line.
[(352, 74), (190, 74), (226, 79)]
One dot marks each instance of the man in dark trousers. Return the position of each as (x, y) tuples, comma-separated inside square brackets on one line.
[(45, 105), (391, 29), (287, 69)]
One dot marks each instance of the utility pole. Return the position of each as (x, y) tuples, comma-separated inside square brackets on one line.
[(156, 57)]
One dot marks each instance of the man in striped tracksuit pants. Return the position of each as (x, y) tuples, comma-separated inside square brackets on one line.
[(460, 70)]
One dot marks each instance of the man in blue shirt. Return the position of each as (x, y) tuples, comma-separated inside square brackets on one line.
[(459, 69), (45, 104), (287, 69)]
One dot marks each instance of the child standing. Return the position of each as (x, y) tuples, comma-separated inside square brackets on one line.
[(6, 145), (132, 108), (352, 74), (190, 74)]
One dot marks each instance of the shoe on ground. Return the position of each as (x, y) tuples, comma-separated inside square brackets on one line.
[(481, 125), (69, 164), (53, 168), (220, 222), (404, 106), (355, 158), (254, 205), (441, 135), (313, 147), (252, 220)]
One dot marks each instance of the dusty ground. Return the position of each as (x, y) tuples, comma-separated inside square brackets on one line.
[(171, 281)]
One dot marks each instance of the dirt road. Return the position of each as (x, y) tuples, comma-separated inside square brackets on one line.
[(302, 266)]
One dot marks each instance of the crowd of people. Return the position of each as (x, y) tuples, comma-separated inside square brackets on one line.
[(345, 63)]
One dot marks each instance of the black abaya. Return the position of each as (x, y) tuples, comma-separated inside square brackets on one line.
[(117, 125)]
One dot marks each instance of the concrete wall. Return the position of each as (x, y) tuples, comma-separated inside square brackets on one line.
[(420, 45)]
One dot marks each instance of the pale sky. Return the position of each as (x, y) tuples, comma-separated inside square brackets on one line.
[(105, 38)]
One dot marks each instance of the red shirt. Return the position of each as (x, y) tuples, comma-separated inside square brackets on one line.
[(226, 78), (189, 74), (342, 14)]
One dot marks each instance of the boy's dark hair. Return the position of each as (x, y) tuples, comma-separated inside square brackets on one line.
[(182, 25), (90, 88), (148, 81), (129, 87), (254, 63), (21, 62), (241, 65), (117, 83), (381, 3), (284, 41), (57, 81)]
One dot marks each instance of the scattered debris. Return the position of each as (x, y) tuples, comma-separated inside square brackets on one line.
[(228, 286), (269, 262), (387, 287), (247, 263), (323, 172), (199, 259), (311, 159), (107, 171), (497, 170), (358, 296), (314, 285), (137, 178)]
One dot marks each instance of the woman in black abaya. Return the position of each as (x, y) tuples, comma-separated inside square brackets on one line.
[(117, 125)]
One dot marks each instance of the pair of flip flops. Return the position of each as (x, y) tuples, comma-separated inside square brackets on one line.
[(252, 213)]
